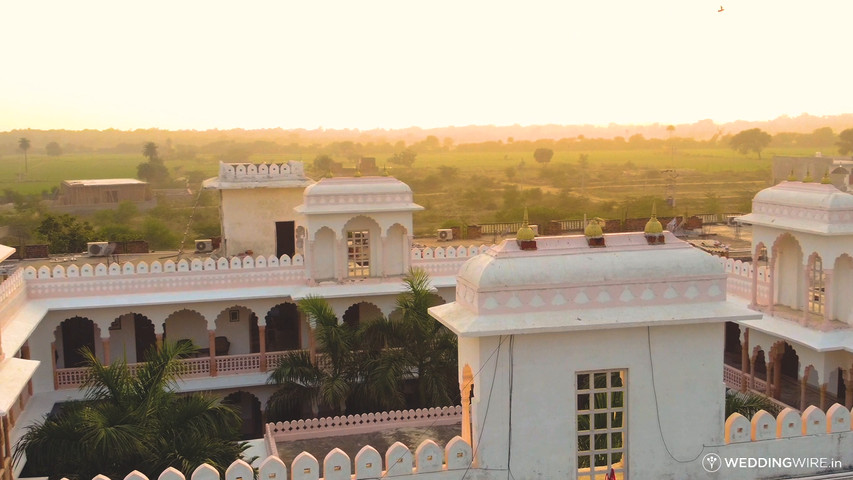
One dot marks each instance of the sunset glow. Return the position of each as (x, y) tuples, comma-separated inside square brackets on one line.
[(202, 65)]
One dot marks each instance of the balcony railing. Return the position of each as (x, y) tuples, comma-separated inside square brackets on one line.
[(190, 367)]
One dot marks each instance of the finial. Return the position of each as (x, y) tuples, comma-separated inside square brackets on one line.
[(329, 175), (385, 172), (594, 233), (791, 177), (825, 180), (808, 178), (525, 234), (358, 170)]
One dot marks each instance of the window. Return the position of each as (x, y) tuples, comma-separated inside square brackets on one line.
[(358, 253), (601, 423), (817, 290)]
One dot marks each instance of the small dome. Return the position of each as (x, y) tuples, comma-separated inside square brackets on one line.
[(525, 233), (653, 226), (791, 176), (593, 228), (808, 178), (825, 180)]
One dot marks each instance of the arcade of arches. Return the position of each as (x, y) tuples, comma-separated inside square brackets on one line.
[(779, 372)]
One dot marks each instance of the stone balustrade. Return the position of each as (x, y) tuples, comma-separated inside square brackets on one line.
[(363, 423), (251, 172), (788, 424), (740, 278)]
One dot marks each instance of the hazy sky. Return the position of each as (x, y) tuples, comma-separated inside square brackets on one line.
[(365, 64)]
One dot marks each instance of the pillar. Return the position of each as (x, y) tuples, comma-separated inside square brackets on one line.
[(211, 337), (262, 341), (744, 360), (767, 386), (106, 344), (828, 311), (341, 259), (772, 286), (777, 376), (848, 390), (823, 396), (754, 299), (53, 362), (804, 320), (752, 373), (383, 241)]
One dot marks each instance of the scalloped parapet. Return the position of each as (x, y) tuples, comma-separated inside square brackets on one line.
[(738, 429), (398, 462), (788, 424), (762, 426)]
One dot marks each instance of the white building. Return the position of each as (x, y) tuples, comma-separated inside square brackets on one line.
[(576, 354)]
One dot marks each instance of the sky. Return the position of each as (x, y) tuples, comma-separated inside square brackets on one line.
[(395, 64)]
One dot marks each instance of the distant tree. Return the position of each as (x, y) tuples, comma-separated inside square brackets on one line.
[(53, 149), (752, 140), (822, 137), (149, 151), (845, 141), (406, 157), (65, 233), (152, 172), (448, 172), (510, 172), (24, 144), (543, 155), (323, 163), (158, 234), (670, 129)]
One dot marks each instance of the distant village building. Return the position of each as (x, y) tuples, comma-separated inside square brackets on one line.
[(839, 170), (81, 196)]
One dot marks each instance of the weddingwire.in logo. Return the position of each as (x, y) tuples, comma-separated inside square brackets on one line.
[(712, 462)]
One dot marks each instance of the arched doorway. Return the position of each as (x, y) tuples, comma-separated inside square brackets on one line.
[(361, 312), (732, 348), (76, 333), (250, 412), (131, 337), (237, 327), (760, 366), (283, 332)]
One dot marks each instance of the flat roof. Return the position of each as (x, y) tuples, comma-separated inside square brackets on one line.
[(106, 181)]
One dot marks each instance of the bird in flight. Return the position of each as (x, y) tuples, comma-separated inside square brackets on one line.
[(721, 9)]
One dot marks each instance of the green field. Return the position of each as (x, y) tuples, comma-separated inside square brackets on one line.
[(485, 186)]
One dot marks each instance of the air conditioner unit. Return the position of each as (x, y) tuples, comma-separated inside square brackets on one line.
[(445, 234), (99, 249), (204, 245), (535, 229)]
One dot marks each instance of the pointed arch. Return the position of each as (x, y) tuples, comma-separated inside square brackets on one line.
[(788, 272), (72, 335), (131, 336), (250, 413), (239, 325), (323, 254), (842, 284), (396, 250), (284, 328), (361, 312), (186, 325)]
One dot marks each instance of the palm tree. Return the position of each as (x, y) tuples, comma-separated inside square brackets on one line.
[(133, 422), (24, 144), (149, 151), (326, 379), (748, 403), (425, 351)]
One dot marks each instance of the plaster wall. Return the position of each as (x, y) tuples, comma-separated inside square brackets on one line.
[(687, 372), (238, 333), (249, 216)]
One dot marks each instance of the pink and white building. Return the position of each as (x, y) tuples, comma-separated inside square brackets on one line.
[(575, 357)]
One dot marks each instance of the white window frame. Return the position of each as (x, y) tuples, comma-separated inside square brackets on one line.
[(604, 405)]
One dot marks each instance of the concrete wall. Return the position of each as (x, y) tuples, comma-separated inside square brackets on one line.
[(249, 216), (687, 374)]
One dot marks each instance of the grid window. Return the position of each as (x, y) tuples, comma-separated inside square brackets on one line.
[(602, 408), (358, 253), (817, 287)]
